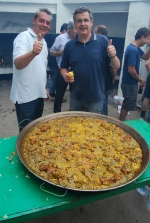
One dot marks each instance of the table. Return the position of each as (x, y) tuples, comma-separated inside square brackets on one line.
[(22, 199)]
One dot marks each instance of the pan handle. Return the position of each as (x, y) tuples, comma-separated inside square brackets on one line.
[(56, 195)]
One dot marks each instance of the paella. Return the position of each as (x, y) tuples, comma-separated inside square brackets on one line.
[(82, 153)]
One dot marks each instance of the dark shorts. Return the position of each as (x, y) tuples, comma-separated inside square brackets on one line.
[(147, 87), (130, 96), (28, 112)]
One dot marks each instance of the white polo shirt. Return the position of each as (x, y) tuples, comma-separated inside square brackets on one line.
[(29, 83)]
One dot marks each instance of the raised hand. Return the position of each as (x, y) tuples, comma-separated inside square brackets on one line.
[(39, 37), (110, 42), (111, 49), (38, 45)]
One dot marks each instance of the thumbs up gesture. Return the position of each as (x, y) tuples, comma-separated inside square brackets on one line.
[(111, 49), (39, 37), (38, 45)]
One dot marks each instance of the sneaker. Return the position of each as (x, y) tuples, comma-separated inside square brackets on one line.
[(138, 105)]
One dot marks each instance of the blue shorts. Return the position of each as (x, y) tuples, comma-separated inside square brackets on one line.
[(130, 97), (147, 87)]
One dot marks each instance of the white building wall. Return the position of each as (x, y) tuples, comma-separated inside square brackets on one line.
[(64, 14)]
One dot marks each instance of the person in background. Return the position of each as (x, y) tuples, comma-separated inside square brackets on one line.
[(110, 72), (87, 55), (146, 94), (30, 54), (52, 64), (57, 51), (131, 77)]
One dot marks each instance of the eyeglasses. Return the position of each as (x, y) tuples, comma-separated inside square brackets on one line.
[(82, 20)]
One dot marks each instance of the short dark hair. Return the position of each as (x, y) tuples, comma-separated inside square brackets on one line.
[(81, 10), (142, 32), (42, 10), (64, 27), (101, 29)]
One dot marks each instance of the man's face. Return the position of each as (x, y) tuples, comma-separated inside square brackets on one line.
[(83, 23), (42, 23), (72, 32), (144, 40)]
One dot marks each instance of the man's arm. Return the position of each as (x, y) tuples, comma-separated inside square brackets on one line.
[(115, 62), (23, 60), (147, 65), (57, 48), (134, 74), (146, 55), (56, 53), (113, 73)]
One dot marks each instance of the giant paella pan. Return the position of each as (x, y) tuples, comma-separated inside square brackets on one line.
[(83, 151)]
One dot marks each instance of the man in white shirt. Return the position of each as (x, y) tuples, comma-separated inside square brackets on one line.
[(29, 69), (57, 51)]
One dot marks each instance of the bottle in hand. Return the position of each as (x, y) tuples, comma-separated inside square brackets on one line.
[(140, 89)]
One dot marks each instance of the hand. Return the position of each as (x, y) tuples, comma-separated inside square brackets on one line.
[(111, 49), (67, 78), (48, 95), (38, 45), (142, 81)]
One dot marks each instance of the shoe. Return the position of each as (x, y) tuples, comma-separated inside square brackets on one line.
[(64, 100), (138, 105)]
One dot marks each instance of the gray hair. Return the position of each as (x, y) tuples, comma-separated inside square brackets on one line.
[(81, 10), (101, 29), (42, 10), (71, 24)]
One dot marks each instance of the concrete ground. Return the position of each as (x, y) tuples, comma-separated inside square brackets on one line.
[(125, 208)]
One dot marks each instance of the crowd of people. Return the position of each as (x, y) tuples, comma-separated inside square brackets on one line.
[(92, 58)]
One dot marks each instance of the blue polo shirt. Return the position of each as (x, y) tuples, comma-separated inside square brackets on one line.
[(131, 58), (88, 62)]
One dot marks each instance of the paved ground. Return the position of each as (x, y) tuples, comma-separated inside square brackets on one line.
[(125, 208)]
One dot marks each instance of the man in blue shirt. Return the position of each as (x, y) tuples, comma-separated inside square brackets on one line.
[(86, 55), (131, 66)]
